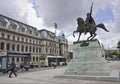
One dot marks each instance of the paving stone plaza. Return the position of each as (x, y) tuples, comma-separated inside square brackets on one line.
[(47, 76)]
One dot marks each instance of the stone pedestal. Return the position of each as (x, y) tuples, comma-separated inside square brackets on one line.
[(87, 60)]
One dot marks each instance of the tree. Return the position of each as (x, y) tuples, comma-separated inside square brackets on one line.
[(114, 53), (118, 46)]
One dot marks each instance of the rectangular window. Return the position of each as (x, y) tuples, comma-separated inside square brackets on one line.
[(17, 59), (18, 39), (33, 42), (22, 59), (36, 42), (3, 35), (26, 48), (12, 58), (26, 40), (46, 50), (18, 47), (8, 36), (33, 49), (22, 39), (14, 38), (30, 40), (39, 50), (30, 49)]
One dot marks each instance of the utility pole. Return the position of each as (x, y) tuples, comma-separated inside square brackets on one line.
[(55, 25)]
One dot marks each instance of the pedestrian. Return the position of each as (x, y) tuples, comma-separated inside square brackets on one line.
[(54, 65), (22, 67), (12, 69)]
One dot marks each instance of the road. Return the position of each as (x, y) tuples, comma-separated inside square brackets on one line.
[(47, 77)]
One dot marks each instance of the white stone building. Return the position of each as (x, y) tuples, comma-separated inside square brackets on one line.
[(42, 46)]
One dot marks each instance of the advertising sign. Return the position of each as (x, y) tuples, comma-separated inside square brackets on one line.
[(4, 63)]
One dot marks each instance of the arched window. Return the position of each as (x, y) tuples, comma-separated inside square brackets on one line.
[(46, 50), (39, 50), (13, 59), (2, 45), (36, 49), (22, 29), (3, 35), (36, 58), (18, 38), (22, 59), (18, 47), (26, 48), (8, 36), (33, 58), (13, 47), (22, 48), (26, 40), (8, 46), (17, 59), (30, 49), (30, 40), (14, 38), (33, 49)]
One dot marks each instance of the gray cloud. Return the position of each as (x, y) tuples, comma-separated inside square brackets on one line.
[(65, 12), (10, 9)]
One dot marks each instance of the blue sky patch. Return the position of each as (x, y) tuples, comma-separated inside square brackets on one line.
[(104, 15)]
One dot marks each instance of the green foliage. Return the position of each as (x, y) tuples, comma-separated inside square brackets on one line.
[(114, 53), (118, 46), (118, 55)]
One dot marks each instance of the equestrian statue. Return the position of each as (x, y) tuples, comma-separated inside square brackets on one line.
[(88, 26)]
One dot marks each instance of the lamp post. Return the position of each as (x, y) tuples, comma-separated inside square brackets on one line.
[(55, 25)]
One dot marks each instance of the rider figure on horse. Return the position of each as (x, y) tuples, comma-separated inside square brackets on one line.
[(89, 20)]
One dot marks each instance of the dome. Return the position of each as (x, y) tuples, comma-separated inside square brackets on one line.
[(44, 34)]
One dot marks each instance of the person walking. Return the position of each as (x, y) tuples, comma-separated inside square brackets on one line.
[(54, 65), (12, 69)]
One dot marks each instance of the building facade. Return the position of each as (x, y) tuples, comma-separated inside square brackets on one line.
[(42, 45)]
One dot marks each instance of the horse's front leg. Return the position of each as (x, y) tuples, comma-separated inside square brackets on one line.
[(79, 36)]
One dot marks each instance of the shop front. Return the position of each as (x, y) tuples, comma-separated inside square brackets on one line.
[(8, 57)]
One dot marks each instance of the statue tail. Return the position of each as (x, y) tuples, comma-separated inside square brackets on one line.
[(102, 26)]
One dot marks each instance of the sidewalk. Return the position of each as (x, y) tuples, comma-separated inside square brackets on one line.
[(47, 76), (30, 70)]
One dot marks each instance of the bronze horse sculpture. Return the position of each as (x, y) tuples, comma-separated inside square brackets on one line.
[(82, 28)]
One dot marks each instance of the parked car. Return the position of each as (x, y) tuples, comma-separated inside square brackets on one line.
[(36, 65)]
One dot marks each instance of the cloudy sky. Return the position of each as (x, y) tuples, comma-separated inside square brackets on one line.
[(42, 14)]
